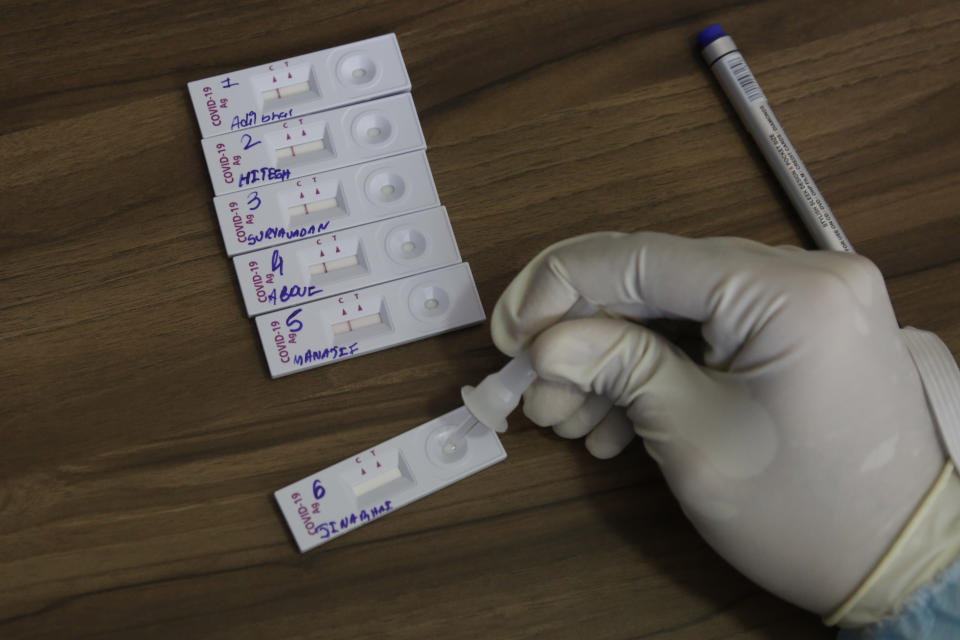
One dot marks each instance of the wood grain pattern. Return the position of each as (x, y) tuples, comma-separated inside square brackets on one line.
[(141, 438)]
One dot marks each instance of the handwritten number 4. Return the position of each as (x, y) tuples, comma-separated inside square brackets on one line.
[(276, 261)]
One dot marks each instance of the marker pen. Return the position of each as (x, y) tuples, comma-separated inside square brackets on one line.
[(751, 104)]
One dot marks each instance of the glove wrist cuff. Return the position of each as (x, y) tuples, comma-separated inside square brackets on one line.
[(928, 543)]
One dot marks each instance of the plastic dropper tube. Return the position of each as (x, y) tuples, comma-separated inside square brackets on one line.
[(497, 395)]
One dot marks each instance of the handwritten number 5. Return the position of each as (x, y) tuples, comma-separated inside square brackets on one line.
[(295, 325)]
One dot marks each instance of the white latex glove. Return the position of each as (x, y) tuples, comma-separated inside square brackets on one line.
[(801, 448)]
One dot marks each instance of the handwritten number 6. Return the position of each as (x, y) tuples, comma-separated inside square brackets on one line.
[(254, 198), (248, 141)]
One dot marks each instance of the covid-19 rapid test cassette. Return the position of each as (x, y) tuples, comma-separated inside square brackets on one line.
[(331, 264), (367, 320), (325, 202), (299, 86), (384, 478), (310, 144)]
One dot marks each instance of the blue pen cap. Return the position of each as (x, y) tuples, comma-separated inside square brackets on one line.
[(708, 35)]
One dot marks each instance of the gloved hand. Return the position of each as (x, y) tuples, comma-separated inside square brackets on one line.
[(801, 448)]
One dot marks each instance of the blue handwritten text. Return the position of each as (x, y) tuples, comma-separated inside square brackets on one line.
[(326, 529), (264, 173), (293, 292), (249, 119), (331, 353), (280, 233)]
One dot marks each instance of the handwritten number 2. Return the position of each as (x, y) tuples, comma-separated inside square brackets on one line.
[(248, 141), (253, 198)]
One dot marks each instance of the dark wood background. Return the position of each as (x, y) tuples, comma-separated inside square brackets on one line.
[(142, 438)]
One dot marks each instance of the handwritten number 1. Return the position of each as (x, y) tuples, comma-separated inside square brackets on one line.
[(248, 141)]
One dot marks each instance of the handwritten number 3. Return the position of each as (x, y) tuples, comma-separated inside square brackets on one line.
[(254, 198)]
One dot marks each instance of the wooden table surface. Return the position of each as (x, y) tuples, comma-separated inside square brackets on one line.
[(142, 438)]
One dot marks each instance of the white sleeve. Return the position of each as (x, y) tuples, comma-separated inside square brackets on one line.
[(941, 383)]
